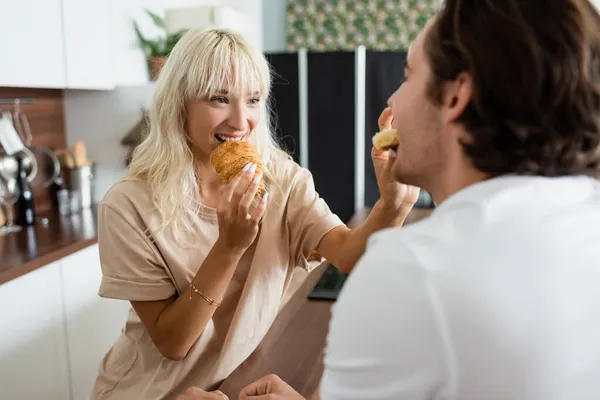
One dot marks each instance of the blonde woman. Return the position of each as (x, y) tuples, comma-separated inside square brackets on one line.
[(205, 281)]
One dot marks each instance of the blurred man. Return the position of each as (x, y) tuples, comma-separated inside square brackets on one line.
[(496, 295)]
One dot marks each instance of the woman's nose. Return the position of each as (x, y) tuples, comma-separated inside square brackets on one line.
[(238, 118)]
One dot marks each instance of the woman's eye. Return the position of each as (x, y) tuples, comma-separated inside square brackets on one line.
[(255, 100), (222, 100)]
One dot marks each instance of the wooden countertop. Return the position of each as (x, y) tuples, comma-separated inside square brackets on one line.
[(39, 245), (293, 347)]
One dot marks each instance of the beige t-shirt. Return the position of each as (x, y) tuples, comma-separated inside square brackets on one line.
[(137, 268)]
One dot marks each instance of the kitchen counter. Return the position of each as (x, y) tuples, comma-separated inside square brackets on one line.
[(40, 245)]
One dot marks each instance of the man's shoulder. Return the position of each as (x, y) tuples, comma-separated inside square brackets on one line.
[(392, 242), (390, 254)]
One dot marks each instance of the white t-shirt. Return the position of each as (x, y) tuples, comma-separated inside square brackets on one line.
[(496, 296)]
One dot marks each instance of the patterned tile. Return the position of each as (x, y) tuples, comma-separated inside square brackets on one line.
[(328, 25)]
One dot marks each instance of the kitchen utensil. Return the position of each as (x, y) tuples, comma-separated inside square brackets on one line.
[(9, 193), (63, 202), (80, 154), (9, 137), (66, 158), (48, 167), (74, 201), (22, 127), (8, 165), (25, 206), (81, 181)]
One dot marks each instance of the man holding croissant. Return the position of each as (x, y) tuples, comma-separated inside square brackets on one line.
[(495, 296)]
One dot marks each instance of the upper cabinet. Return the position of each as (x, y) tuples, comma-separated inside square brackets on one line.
[(33, 53), (91, 44), (56, 44), (89, 59)]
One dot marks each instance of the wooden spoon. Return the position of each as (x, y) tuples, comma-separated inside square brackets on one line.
[(80, 154)]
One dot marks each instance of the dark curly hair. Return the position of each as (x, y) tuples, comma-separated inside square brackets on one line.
[(535, 66)]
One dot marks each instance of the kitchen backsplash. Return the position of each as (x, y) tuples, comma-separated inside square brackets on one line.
[(45, 116)]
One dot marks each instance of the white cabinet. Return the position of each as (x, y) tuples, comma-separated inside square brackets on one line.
[(89, 55), (93, 323), (87, 44), (33, 362), (32, 44), (57, 44), (55, 329)]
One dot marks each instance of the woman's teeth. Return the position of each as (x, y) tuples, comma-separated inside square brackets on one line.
[(229, 138)]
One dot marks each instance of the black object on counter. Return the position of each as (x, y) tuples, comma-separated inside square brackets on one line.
[(57, 185), (329, 286), (25, 206)]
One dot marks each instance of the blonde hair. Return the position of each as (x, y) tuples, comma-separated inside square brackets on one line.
[(202, 63)]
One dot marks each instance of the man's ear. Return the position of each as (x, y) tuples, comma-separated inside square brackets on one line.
[(457, 95)]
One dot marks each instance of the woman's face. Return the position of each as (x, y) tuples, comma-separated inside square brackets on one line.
[(220, 117)]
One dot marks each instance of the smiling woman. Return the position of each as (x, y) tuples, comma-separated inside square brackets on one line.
[(220, 82), (206, 261)]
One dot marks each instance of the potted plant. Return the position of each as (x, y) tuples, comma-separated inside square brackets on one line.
[(157, 49)]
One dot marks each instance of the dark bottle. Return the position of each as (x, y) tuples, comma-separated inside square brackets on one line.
[(25, 206)]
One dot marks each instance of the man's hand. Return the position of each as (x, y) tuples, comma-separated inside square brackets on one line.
[(194, 393), (396, 197), (271, 387)]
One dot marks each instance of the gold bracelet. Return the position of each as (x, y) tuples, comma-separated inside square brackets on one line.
[(205, 297)]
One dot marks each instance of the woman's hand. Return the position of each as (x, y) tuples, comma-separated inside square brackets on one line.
[(238, 225), (395, 196), (194, 393), (270, 387)]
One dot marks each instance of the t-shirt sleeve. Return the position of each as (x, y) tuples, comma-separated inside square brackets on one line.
[(384, 339), (132, 268), (309, 219)]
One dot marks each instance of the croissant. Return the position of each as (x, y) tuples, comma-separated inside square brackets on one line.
[(385, 139), (230, 157)]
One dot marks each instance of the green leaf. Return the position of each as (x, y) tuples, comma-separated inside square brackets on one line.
[(157, 19), (144, 43), (155, 49), (138, 33)]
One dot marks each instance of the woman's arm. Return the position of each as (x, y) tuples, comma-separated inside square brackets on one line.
[(175, 324), (343, 247)]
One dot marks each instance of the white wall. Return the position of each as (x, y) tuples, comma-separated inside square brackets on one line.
[(274, 16), (129, 58), (102, 119), (252, 8)]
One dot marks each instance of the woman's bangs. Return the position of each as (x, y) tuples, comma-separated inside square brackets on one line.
[(229, 69)]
